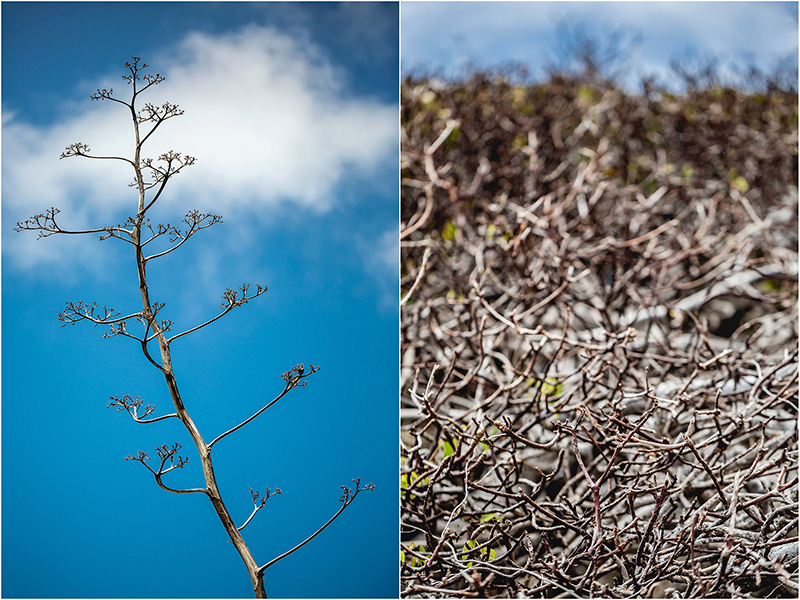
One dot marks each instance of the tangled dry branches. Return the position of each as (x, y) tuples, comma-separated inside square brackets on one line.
[(599, 364)]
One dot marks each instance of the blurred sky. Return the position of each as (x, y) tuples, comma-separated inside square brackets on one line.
[(444, 38), (291, 110)]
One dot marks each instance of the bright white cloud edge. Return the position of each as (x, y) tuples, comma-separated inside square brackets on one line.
[(267, 115)]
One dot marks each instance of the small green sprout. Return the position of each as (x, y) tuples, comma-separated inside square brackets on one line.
[(449, 231), (550, 388), (484, 552), (408, 480), (415, 560)]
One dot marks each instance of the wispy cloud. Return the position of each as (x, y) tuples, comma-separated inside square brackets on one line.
[(269, 117), (381, 258)]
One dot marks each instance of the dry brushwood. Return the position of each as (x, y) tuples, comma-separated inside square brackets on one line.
[(599, 341), (139, 232)]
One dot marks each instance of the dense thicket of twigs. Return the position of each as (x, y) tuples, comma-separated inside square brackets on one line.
[(599, 364)]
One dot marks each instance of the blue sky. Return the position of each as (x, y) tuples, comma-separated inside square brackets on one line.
[(292, 111), (444, 38)]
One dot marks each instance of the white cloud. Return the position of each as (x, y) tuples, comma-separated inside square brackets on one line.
[(267, 115), (388, 254)]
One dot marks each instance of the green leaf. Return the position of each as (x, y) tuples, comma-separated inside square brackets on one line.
[(447, 448), (737, 181), (484, 552), (489, 516), (585, 93), (407, 481), (415, 560), (449, 231), (740, 183), (551, 386), (453, 139), (467, 547), (769, 286)]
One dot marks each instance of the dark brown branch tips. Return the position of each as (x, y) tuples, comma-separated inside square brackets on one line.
[(345, 494), (102, 94), (140, 456), (134, 67), (348, 495), (237, 297), (131, 405), (369, 487), (259, 500), (44, 223), (151, 112), (80, 311), (295, 376), (76, 149)]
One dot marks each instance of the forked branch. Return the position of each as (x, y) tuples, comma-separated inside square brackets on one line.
[(294, 377), (194, 219), (174, 163), (132, 405), (45, 223), (157, 115), (81, 149), (258, 503), (346, 499), (83, 311), (231, 299), (166, 454), (134, 68)]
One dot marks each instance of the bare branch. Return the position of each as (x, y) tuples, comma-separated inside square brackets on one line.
[(159, 230), (258, 503), (346, 499), (83, 311), (134, 67), (294, 377), (120, 329), (421, 273), (157, 114), (106, 94), (45, 223), (196, 221), (132, 405), (175, 162), (166, 453), (232, 300), (81, 149)]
